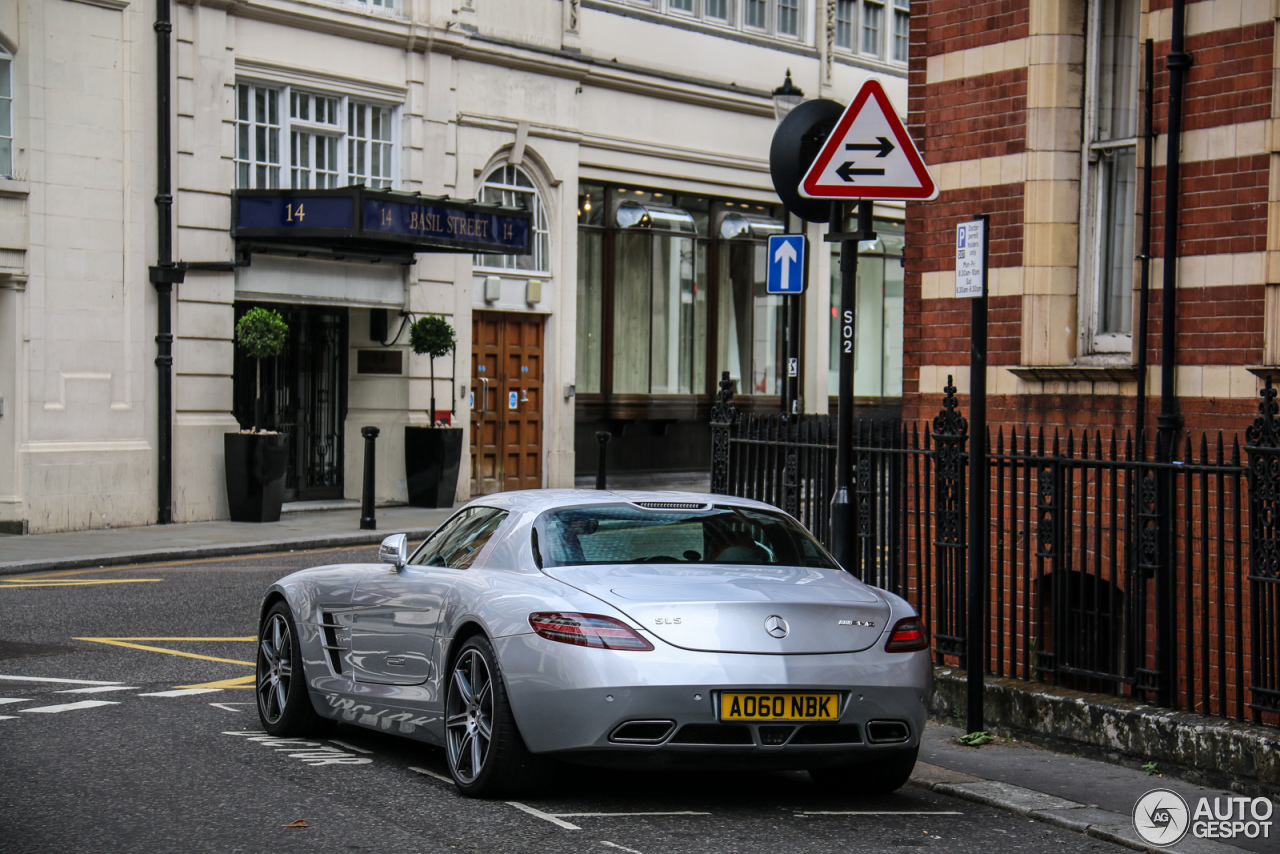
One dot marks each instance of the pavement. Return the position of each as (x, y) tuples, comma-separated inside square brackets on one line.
[(1083, 795)]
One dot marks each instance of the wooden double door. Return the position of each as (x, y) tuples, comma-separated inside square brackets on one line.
[(506, 409)]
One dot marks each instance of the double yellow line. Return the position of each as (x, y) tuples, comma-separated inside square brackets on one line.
[(135, 643), (67, 579)]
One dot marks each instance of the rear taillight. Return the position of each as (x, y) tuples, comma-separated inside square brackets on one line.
[(591, 630), (907, 636)]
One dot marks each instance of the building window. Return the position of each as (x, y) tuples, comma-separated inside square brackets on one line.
[(901, 30), (877, 357), (846, 11), (782, 18), (872, 16), (511, 186), (316, 126), (6, 114), (861, 28), (1111, 169)]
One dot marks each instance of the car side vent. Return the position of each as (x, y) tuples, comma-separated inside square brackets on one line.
[(332, 641), (828, 734), (712, 734), (671, 505)]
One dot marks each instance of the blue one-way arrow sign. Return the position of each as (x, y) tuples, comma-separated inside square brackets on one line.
[(786, 263)]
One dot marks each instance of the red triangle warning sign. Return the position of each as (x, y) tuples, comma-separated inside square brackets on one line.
[(869, 155)]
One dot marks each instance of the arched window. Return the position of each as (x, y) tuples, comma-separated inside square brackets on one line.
[(510, 185)]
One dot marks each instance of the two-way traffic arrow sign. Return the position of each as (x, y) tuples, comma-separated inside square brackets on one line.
[(869, 155)]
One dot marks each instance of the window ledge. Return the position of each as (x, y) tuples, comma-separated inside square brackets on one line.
[(1066, 373), (11, 189), (1265, 372)]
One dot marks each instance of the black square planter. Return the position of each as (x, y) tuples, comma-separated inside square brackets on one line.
[(256, 465), (432, 456)]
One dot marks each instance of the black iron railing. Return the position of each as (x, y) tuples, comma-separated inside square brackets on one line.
[(1093, 585)]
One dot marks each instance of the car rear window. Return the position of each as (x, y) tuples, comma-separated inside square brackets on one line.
[(626, 533)]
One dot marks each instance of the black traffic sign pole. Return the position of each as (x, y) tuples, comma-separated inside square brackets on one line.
[(979, 497), (842, 533)]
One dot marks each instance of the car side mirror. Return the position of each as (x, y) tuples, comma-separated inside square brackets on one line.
[(394, 550)]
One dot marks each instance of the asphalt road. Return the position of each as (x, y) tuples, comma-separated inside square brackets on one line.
[(127, 724)]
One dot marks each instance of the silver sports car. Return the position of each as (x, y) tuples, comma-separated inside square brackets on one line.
[(636, 629)]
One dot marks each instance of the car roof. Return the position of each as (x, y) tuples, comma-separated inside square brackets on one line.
[(540, 500)]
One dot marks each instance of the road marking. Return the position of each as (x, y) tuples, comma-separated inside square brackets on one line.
[(544, 816), (68, 707), (433, 774), (227, 706), (349, 746), (621, 814), (128, 643), (60, 681), (311, 752), (8, 717), (180, 692), (98, 690), (619, 847), (238, 682), (4, 700), (881, 812), (14, 584)]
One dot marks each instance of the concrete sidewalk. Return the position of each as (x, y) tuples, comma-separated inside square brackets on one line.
[(1083, 795)]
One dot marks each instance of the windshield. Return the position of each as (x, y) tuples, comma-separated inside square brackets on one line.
[(624, 533)]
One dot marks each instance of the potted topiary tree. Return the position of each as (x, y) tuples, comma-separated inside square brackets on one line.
[(256, 459), (432, 455)]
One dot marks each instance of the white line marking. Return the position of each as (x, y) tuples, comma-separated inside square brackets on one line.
[(67, 681), (882, 812), (227, 706), (98, 690), (181, 692), (4, 700), (620, 814), (544, 816), (349, 746), (67, 707), (432, 774), (8, 717), (619, 847)]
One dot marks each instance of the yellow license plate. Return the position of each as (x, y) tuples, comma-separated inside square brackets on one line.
[(779, 707)]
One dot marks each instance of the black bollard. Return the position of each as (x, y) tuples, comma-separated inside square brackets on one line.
[(368, 522), (603, 438)]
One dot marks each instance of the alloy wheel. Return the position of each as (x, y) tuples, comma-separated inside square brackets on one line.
[(275, 667), (469, 716)]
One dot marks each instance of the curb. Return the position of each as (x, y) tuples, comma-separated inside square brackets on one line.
[(1080, 818), (356, 538)]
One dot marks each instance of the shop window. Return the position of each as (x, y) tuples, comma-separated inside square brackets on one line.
[(877, 359), (6, 114), (1111, 125), (749, 332), (333, 140), (511, 186)]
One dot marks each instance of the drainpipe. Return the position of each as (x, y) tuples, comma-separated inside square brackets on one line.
[(1169, 422), (1144, 257), (164, 275)]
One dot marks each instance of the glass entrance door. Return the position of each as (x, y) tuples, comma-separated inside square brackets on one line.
[(303, 395)]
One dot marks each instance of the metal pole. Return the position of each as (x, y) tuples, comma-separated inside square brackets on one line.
[(368, 522), (603, 438), (1144, 255), (1169, 422), (979, 497), (842, 533)]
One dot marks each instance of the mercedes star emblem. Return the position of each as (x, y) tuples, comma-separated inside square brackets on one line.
[(776, 626)]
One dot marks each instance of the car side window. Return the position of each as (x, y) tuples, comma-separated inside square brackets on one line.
[(460, 540)]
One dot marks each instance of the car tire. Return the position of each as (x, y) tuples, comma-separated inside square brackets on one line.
[(486, 755), (284, 706), (879, 776)]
